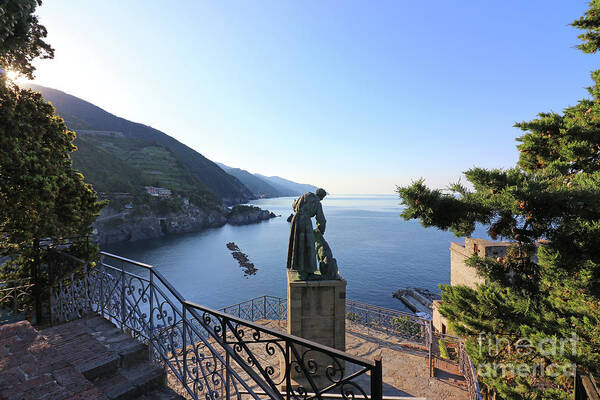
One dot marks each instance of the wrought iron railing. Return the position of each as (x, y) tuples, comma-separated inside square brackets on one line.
[(211, 354), (259, 308), (467, 369), (407, 327), (16, 295)]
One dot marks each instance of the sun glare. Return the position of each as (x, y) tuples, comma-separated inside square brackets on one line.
[(12, 76)]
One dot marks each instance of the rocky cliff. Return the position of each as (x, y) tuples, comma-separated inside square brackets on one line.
[(243, 215), (113, 226)]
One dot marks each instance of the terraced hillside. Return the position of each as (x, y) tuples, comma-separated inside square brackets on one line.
[(114, 163), (86, 118)]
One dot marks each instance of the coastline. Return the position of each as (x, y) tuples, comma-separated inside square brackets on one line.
[(123, 226)]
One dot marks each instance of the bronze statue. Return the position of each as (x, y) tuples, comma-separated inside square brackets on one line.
[(327, 264), (303, 245)]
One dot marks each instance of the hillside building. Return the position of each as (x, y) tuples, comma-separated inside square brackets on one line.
[(157, 191)]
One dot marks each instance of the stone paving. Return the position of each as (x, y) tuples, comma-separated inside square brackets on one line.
[(84, 359), (405, 366), (31, 368), (78, 361), (406, 369)]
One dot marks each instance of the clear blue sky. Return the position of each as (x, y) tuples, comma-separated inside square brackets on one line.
[(354, 96)]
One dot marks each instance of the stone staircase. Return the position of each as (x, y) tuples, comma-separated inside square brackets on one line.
[(84, 359)]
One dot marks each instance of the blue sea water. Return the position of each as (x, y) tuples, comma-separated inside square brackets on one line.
[(377, 253)]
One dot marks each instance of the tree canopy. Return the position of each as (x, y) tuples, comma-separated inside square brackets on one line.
[(41, 196), (21, 36), (547, 287)]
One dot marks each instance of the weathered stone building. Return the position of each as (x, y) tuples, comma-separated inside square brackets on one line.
[(462, 274)]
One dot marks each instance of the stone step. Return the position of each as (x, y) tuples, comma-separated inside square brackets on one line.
[(131, 382), (162, 393), (101, 366), (113, 361)]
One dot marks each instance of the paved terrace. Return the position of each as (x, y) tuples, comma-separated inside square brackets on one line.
[(84, 359), (92, 359), (405, 366)]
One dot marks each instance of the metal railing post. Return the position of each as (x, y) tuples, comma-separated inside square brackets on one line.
[(377, 380), (184, 342), (227, 361), (151, 317), (287, 370), (430, 348), (101, 277), (265, 307), (122, 296), (280, 316), (36, 282), (73, 314)]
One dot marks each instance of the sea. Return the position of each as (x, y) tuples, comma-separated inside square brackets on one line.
[(377, 253)]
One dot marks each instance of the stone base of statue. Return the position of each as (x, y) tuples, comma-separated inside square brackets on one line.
[(316, 311)]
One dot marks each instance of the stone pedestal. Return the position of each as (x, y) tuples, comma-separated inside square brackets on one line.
[(317, 312)]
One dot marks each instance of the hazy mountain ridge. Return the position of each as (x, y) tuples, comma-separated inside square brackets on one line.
[(257, 186), (268, 186), (285, 184)]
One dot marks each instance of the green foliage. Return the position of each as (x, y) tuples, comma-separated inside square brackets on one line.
[(547, 287), (590, 23), (41, 196), (443, 349), (352, 316), (406, 325), (21, 36), (243, 209), (105, 171), (122, 164)]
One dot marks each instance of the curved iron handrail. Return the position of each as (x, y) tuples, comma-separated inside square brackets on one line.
[(210, 352)]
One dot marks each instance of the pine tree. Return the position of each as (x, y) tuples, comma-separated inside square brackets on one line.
[(41, 196), (22, 36), (547, 287)]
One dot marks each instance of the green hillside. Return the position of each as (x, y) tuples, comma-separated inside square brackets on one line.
[(120, 164), (80, 115), (115, 175)]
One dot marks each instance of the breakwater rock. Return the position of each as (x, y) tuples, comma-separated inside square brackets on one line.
[(418, 300), (242, 259)]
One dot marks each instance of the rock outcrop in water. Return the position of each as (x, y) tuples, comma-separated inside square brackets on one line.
[(242, 215), (242, 259), (113, 226)]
